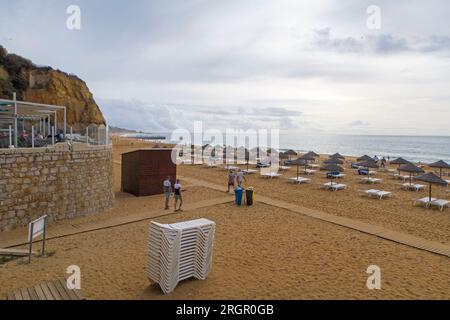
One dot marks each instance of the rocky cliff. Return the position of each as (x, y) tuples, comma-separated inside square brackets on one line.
[(48, 86)]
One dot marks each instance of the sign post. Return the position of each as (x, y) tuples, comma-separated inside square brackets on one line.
[(36, 228)]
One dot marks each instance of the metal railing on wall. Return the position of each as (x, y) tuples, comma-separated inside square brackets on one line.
[(33, 125), (34, 137), (20, 119)]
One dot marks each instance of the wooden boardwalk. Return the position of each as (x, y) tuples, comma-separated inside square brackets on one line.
[(56, 232), (15, 253), (52, 290), (381, 232)]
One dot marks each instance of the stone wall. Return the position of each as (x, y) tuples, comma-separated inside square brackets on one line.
[(62, 182)]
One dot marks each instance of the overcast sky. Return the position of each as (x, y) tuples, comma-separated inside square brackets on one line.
[(305, 66)]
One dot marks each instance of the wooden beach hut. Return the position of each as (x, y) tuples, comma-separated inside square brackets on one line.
[(144, 171)]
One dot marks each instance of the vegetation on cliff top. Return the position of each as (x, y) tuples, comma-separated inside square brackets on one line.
[(58, 88)]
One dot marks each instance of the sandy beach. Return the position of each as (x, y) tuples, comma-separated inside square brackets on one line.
[(261, 252), (397, 213)]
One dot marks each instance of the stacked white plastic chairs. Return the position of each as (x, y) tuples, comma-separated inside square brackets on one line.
[(180, 251)]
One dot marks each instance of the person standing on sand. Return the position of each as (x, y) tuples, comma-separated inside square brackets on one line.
[(231, 179), (178, 196), (240, 178), (383, 162), (376, 158), (167, 188)]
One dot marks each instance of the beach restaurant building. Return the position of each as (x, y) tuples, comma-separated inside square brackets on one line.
[(19, 117)]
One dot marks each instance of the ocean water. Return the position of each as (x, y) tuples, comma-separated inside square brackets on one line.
[(413, 148)]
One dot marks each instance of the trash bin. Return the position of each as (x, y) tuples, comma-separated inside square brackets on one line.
[(238, 192), (249, 194)]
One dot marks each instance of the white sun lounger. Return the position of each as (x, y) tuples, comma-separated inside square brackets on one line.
[(249, 171), (309, 171), (370, 192), (441, 204), (424, 201), (271, 175), (180, 251), (335, 186), (383, 194), (300, 180), (371, 180), (338, 176), (16, 252), (401, 177), (284, 168), (211, 165), (380, 194), (228, 168), (415, 187)]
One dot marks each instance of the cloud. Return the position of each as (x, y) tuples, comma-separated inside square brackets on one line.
[(262, 64), (278, 112), (359, 123), (378, 43), (435, 43), (143, 116)]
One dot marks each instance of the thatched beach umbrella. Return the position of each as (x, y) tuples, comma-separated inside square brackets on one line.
[(300, 162), (291, 153), (365, 158), (241, 152), (313, 154), (256, 151), (332, 168), (337, 156), (303, 161), (307, 157), (228, 150), (333, 161), (368, 164), (272, 153), (400, 161), (411, 168), (247, 156), (212, 150), (431, 178), (283, 155), (440, 165), (215, 150), (206, 147)]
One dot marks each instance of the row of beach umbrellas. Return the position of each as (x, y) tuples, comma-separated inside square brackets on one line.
[(334, 161), (406, 166)]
